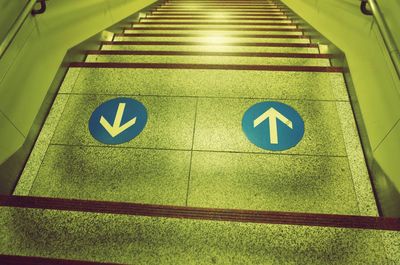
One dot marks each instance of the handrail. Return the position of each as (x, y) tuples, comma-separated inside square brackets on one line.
[(385, 32), (41, 9), (364, 8), (17, 26)]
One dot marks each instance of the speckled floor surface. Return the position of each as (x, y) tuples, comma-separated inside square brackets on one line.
[(193, 151), (144, 240)]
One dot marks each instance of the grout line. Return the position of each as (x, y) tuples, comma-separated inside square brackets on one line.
[(197, 150), (191, 153), (201, 97)]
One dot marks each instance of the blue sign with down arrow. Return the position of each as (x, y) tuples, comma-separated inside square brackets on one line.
[(118, 121)]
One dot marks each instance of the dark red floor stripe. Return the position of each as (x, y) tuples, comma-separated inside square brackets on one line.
[(196, 43), (285, 68), (24, 260), (214, 29), (211, 19), (289, 218), (210, 7), (217, 23), (226, 1), (271, 36), (232, 6), (204, 16), (218, 11), (232, 13), (189, 53), (228, 5), (239, 10)]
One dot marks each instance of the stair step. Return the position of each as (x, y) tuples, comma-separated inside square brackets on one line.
[(203, 16), (208, 31), (208, 19), (209, 48), (218, 12), (199, 43), (203, 59), (232, 5), (232, 13), (223, 8), (215, 24), (322, 69), (76, 230), (210, 34), (207, 83), (205, 53), (214, 40)]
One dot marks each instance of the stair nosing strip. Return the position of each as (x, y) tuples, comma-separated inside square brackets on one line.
[(280, 68), (215, 29), (205, 16), (215, 23), (195, 43), (198, 213), (33, 260), (189, 53), (211, 19), (194, 35)]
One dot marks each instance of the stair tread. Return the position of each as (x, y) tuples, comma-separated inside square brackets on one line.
[(213, 39), (172, 59), (215, 48), (148, 240)]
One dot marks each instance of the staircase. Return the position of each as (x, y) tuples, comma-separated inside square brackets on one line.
[(191, 188)]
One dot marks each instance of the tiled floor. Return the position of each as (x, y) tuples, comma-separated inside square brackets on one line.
[(193, 151)]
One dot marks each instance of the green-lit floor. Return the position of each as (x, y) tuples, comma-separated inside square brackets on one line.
[(193, 152), (144, 240)]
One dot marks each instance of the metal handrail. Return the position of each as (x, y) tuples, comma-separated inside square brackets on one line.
[(17, 26), (385, 32)]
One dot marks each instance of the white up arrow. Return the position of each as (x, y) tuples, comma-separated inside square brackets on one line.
[(273, 115), (116, 128)]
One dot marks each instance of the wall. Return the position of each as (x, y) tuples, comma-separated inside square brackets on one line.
[(377, 86), (9, 11), (30, 64)]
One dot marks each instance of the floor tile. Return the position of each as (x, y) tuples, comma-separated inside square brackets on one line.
[(170, 122), (272, 182), (114, 174), (219, 127)]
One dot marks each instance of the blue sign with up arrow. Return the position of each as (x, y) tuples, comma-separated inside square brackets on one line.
[(118, 121), (273, 126)]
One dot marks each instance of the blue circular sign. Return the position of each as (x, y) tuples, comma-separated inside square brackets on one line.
[(118, 121), (273, 126)]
